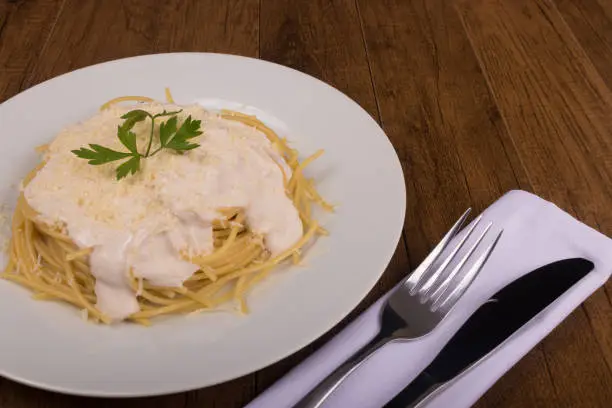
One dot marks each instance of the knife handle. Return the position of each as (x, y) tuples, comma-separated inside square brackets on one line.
[(420, 388)]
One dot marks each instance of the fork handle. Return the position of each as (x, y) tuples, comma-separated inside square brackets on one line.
[(319, 394)]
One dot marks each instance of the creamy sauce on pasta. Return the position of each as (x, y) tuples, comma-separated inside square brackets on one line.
[(143, 222)]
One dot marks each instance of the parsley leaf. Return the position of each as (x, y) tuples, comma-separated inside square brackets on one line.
[(129, 167), (165, 113), (166, 130), (188, 130), (133, 117), (169, 137), (99, 154), (128, 139)]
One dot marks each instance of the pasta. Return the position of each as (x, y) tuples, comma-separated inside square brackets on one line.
[(44, 259)]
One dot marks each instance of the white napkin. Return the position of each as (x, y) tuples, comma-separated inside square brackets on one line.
[(536, 233)]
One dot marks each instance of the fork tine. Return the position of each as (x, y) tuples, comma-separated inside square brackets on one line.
[(422, 269), (466, 281), (437, 275), (445, 284)]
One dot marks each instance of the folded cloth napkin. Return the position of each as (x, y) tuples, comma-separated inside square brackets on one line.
[(536, 233)]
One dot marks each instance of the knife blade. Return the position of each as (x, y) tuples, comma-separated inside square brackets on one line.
[(492, 324)]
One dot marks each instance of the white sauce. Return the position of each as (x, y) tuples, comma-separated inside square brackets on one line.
[(143, 221)]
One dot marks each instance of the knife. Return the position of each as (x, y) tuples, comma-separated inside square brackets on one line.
[(492, 324)]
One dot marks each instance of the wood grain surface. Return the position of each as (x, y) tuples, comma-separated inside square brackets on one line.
[(477, 96)]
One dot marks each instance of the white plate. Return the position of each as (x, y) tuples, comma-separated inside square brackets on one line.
[(47, 345)]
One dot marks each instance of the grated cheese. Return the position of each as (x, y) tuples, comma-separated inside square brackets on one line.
[(144, 221)]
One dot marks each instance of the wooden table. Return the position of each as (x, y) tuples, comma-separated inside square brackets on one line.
[(478, 97)]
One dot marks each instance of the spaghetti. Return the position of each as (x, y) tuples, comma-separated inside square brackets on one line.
[(44, 259)]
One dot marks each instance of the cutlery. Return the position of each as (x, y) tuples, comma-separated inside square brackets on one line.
[(419, 303), (491, 325)]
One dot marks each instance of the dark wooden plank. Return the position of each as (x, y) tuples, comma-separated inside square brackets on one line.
[(89, 32), (436, 107), (94, 31), (553, 100), (323, 39), (510, 392), (556, 107), (598, 309), (13, 395), (591, 23), (24, 29), (437, 110)]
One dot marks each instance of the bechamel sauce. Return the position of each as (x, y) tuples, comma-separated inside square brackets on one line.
[(143, 221)]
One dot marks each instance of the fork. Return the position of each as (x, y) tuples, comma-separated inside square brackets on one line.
[(418, 304)]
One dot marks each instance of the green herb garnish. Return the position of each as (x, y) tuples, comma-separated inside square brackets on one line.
[(170, 137)]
